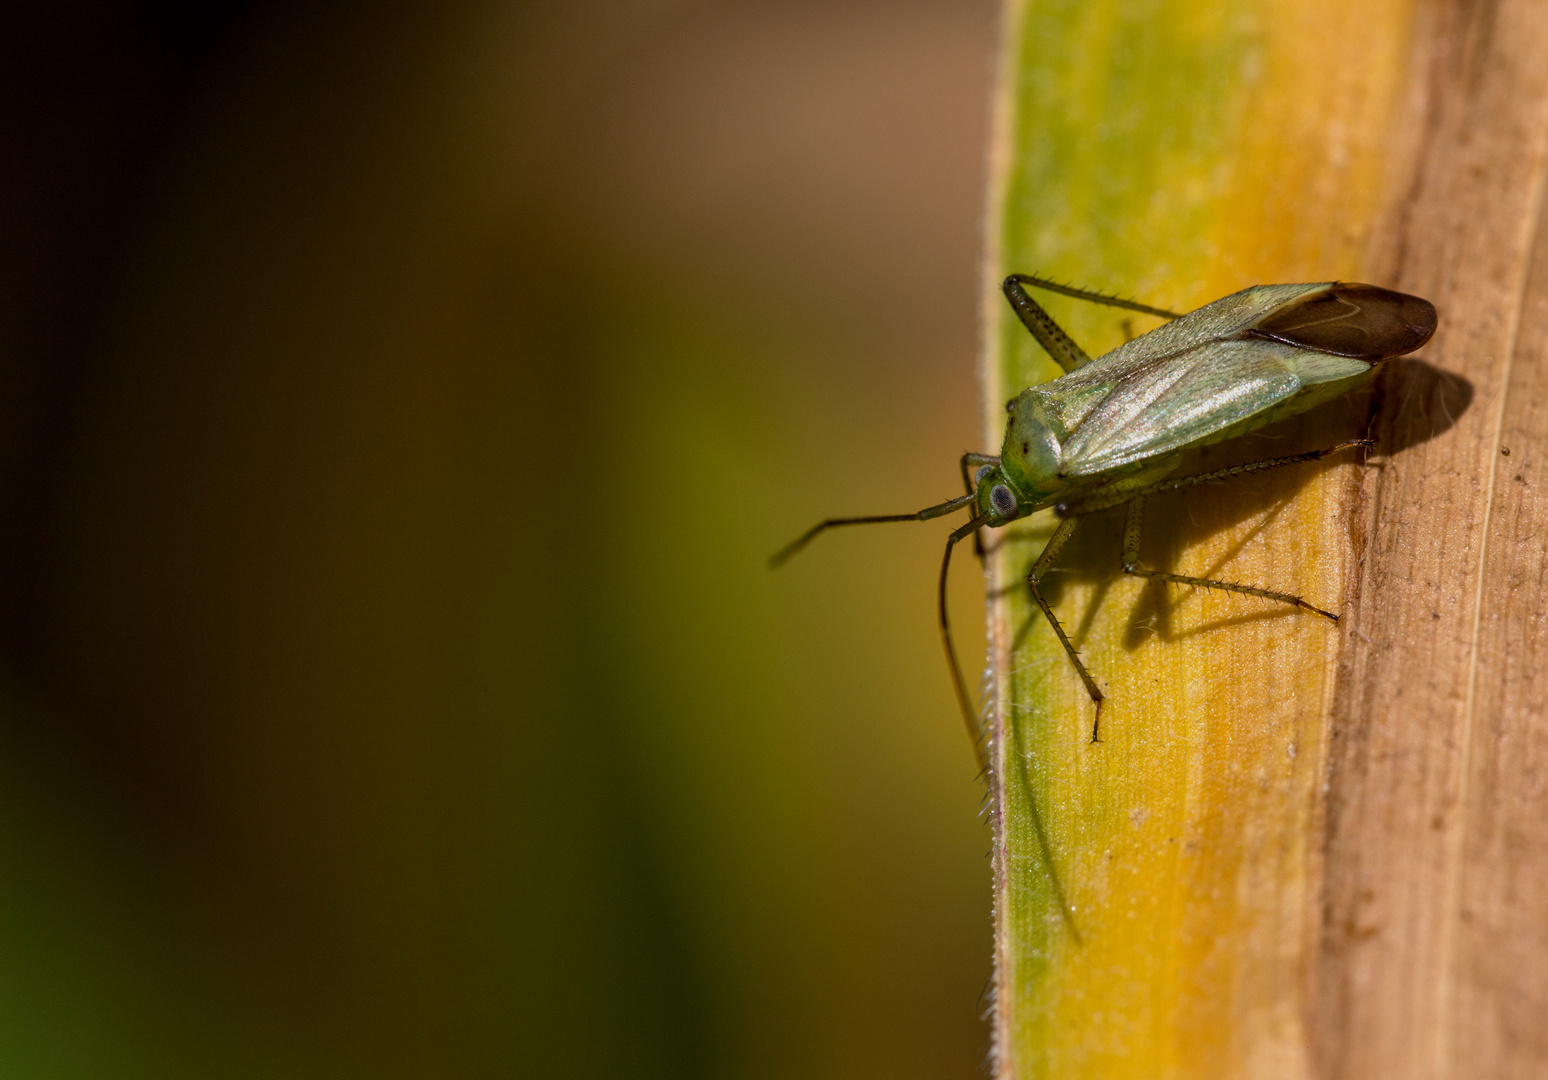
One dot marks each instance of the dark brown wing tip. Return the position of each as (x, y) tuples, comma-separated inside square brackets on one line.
[(1351, 319)]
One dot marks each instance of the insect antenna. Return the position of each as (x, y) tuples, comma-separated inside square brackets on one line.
[(969, 713), (780, 557)]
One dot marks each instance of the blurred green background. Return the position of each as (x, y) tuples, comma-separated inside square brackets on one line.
[(398, 403)]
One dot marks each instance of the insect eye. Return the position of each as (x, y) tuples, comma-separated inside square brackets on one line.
[(1002, 500), (983, 471)]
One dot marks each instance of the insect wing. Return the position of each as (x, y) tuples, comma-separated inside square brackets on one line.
[(1229, 367), (1151, 362), (1198, 396), (1349, 319)]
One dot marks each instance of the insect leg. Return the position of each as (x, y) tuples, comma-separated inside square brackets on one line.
[(1131, 542), (971, 460), (1050, 335), (1039, 568), (1088, 294), (1249, 467)]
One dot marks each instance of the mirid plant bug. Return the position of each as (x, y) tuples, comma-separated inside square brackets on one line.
[(1112, 430)]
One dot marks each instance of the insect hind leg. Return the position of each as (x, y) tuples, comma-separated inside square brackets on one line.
[(1131, 542), (1049, 334), (1248, 468), (1048, 285)]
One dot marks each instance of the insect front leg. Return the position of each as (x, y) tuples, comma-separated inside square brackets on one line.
[(1034, 578), (1131, 543), (971, 460)]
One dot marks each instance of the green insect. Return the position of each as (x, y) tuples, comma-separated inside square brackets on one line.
[(1112, 430)]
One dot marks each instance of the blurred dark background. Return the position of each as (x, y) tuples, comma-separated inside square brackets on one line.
[(398, 403)]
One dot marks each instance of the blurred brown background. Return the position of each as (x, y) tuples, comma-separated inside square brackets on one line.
[(398, 403)]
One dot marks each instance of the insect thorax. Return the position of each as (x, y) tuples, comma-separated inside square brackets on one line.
[(1029, 458)]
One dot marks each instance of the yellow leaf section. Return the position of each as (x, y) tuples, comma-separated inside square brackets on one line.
[(1175, 151)]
